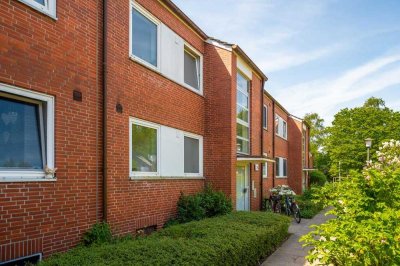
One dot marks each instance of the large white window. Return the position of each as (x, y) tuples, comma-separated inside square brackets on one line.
[(280, 127), (191, 68), (242, 114), (161, 151), (265, 117), (145, 37), (26, 135), (47, 7), (281, 167)]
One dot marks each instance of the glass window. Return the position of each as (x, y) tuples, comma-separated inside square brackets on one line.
[(40, 2), (277, 168), (242, 131), (265, 116), (284, 166), (47, 7), (191, 72), (284, 129), (191, 156), (21, 145), (144, 149), (265, 170), (144, 38), (242, 114), (242, 145)]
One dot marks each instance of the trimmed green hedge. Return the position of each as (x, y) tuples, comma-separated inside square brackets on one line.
[(240, 238)]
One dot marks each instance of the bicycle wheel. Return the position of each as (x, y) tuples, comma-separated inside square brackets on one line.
[(296, 213), (268, 205), (278, 207)]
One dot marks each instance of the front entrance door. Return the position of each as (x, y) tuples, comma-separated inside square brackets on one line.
[(242, 189)]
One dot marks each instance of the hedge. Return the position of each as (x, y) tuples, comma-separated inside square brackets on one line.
[(239, 238)]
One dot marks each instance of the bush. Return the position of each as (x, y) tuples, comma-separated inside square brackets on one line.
[(366, 230), (240, 238), (318, 178), (208, 203), (98, 234), (307, 203)]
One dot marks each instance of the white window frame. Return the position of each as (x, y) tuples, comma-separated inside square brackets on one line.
[(239, 121), (281, 132), (200, 138), (199, 64), (48, 152), (148, 15), (265, 117), (281, 159), (49, 7), (135, 121), (265, 170)]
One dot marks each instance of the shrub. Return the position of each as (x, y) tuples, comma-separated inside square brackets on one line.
[(366, 230), (208, 203), (307, 203), (98, 234), (240, 238), (318, 178)]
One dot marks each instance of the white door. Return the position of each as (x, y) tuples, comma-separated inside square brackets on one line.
[(242, 189)]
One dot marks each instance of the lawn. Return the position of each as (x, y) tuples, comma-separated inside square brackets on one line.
[(239, 238)]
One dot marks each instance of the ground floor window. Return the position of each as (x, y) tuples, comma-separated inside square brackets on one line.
[(281, 167)]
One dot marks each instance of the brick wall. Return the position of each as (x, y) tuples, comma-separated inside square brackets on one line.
[(54, 57), (295, 163), (144, 94)]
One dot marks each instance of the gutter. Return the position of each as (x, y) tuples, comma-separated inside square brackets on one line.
[(104, 110)]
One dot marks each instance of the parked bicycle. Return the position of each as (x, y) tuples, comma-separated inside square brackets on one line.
[(282, 197)]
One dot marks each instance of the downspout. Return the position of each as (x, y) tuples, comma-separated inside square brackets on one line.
[(262, 141), (105, 110), (273, 144)]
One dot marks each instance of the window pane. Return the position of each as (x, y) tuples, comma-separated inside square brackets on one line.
[(242, 146), (265, 169), (191, 72), (242, 99), (144, 38), (242, 113), (284, 167), (277, 167), (144, 149), (20, 143), (276, 124), (284, 129), (192, 162), (242, 83), (40, 1), (264, 117), (242, 131)]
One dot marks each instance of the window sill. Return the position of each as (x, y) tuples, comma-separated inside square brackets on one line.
[(281, 177), (145, 178), (158, 71), (26, 179), (43, 11)]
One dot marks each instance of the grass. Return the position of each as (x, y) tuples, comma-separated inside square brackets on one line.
[(239, 238)]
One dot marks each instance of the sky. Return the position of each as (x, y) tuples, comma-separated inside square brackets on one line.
[(319, 55)]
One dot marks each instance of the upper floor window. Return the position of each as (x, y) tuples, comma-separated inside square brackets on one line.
[(191, 68), (47, 7), (265, 117), (26, 134), (281, 167), (242, 114), (280, 127), (144, 36)]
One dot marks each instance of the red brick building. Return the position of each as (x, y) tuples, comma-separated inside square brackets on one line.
[(108, 111)]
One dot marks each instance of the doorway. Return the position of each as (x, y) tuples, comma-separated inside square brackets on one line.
[(242, 188)]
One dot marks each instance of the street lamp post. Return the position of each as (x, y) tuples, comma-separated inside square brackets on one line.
[(368, 144)]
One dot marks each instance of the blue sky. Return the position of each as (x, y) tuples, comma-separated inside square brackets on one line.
[(319, 56)]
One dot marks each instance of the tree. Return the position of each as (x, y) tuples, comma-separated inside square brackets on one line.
[(345, 140), (366, 229), (317, 138)]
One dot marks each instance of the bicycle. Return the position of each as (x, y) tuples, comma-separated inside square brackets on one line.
[(291, 208)]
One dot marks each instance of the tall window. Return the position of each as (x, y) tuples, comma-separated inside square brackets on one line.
[(47, 7), (26, 134), (191, 155), (242, 114), (303, 149), (265, 117), (280, 127), (192, 69), (144, 147), (144, 37), (265, 170), (281, 167)]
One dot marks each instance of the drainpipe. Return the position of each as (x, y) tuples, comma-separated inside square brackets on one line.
[(104, 110), (262, 140), (273, 144)]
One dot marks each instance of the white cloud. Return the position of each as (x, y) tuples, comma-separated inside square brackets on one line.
[(325, 96)]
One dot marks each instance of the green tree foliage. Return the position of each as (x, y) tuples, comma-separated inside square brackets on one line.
[(345, 139), (317, 178), (366, 230)]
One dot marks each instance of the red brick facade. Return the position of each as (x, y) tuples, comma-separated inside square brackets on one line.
[(58, 57)]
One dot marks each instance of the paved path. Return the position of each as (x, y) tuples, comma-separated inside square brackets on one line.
[(291, 252)]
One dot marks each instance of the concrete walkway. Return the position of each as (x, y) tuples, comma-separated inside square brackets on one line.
[(291, 252)]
